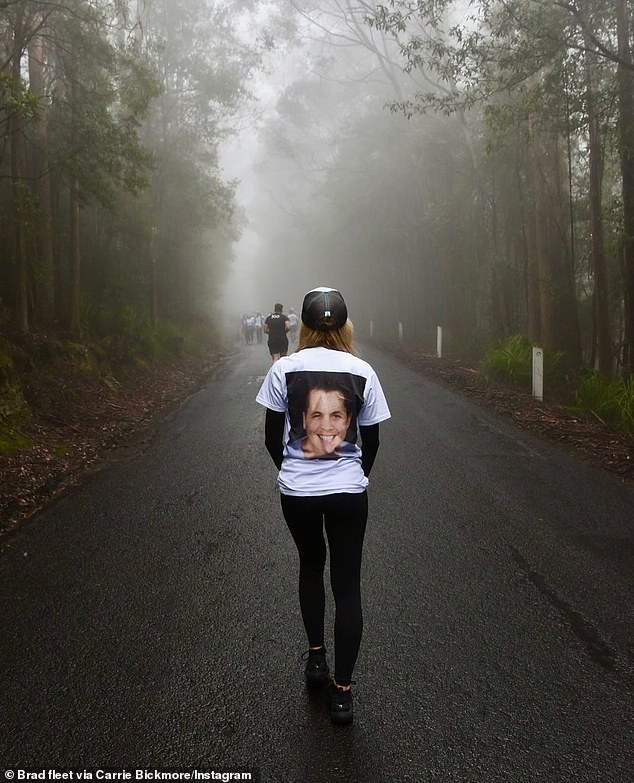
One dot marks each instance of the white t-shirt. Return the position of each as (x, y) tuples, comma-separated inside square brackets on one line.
[(326, 395)]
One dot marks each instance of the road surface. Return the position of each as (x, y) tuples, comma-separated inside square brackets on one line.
[(149, 618)]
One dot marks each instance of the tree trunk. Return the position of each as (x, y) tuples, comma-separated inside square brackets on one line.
[(74, 261), (568, 333), (18, 163), (542, 234), (557, 303), (44, 274), (74, 213), (153, 280), (543, 248), (626, 140), (530, 199), (600, 299)]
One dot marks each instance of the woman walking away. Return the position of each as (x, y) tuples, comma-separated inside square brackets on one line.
[(318, 401)]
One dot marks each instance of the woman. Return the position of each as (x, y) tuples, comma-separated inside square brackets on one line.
[(318, 401)]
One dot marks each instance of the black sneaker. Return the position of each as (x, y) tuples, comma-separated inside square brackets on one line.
[(317, 673), (340, 704)]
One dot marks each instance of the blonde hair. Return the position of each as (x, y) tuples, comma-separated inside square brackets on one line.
[(337, 339)]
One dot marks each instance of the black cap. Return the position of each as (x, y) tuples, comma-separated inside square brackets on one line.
[(324, 310)]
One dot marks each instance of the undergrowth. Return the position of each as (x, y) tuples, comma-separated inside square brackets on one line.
[(610, 401), (13, 440), (512, 362), (40, 372)]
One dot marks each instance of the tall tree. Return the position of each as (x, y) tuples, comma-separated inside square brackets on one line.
[(71, 128), (202, 66), (601, 303), (503, 46), (626, 135), (40, 172), (21, 204)]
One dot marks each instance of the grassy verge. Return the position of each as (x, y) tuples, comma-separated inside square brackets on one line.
[(46, 377), (609, 400)]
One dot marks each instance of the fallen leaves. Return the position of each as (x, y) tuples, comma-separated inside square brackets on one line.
[(71, 437)]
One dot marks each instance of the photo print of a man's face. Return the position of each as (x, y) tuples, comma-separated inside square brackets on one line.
[(322, 409), (326, 421)]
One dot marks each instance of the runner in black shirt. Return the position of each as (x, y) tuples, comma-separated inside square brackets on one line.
[(276, 326)]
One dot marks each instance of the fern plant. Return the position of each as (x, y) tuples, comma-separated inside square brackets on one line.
[(610, 400), (511, 362)]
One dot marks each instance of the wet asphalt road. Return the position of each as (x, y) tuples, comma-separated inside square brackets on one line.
[(149, 618)]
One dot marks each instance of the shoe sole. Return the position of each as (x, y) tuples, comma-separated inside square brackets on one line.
[(341, 718), (314, 681)]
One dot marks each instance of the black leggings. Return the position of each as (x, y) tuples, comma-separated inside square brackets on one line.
[(345, 516)]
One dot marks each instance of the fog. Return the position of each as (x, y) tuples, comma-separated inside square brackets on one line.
[(339, 187), (311, 91), (436, 167), (443, 162)]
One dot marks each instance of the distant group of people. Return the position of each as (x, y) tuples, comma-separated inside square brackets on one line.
[(252, 326), (280, 328)]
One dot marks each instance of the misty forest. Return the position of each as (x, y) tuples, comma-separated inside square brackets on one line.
[(167, 165)]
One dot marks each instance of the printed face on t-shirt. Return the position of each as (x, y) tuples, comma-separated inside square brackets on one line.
[(326, 422), (315, 396)]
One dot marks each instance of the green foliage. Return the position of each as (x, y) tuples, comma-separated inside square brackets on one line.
[(40, 374), (6, 361), (129, 333), (94, 128), (510, 363), (13, 407), (89, 115), (25, 205), (610, 400), (17, 99), (77, 354), (12, 404), (12, 441), (513, 363)]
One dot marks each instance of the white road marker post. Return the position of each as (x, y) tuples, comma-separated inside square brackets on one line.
[(538, 373), (371, 328), (400, 332), (439, 342)]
